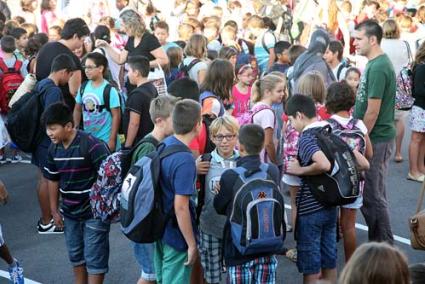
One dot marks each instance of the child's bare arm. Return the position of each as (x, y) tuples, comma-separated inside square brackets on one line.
[(3, 193), (362, 162), (319, 166)]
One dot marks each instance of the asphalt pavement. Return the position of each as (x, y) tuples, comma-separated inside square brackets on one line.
[(45, 260)]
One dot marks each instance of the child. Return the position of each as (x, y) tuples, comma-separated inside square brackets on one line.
[(21, 40), (316, 224), (217, 87), (282, 64), (175, 56), (352, 76), (76, 156), (16, 272), (62, 70), (230, 53), (176, 252), (160, 112), (241, 91), (223, 132), (98, 121), (266, 91), (245, 269), (312, 85), (55, 33), (339, 101), (136, 119), (293, 53), (161, 32)]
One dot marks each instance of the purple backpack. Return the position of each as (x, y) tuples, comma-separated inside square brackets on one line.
[(248, 117), (350, 134), (404, 83)]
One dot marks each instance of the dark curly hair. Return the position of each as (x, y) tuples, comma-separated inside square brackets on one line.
[(340, 97)]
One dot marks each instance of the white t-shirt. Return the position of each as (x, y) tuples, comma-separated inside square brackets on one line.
[(397, 52), (266, 118), (194, 71)]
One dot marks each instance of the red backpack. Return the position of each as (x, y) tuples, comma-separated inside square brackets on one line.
[(11, 79)]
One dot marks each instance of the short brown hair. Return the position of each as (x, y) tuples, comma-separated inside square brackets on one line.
[(162, 25), (162, 107), (186, 115)]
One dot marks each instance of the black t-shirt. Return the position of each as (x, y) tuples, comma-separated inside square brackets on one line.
[(139, 102), (148, 44), (44, 63)]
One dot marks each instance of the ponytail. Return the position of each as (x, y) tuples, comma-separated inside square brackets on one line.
[(256, 94)]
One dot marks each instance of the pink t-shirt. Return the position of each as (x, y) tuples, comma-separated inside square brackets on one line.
[(240, 101)]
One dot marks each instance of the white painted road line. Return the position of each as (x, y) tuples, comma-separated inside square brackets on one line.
[(5, 274), (365, 228)]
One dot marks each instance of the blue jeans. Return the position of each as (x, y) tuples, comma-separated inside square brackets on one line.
[(87, 242), (144, 254), (316, 241)]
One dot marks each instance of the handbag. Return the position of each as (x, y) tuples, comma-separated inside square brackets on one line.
[(157, 78), (417, 224)]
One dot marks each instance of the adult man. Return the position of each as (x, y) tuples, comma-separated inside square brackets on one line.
[(375, 105), (333, 56)]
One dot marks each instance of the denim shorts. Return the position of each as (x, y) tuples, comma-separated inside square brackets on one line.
[(316, 241), (87, 242), (144, 254)]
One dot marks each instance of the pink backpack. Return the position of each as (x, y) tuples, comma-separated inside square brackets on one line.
[(248, 117)]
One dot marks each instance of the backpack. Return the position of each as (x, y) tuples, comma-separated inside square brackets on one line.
[(256, 220), (23, 121), (340, 68), (404, 84), (341, 184), (248, 117), (350, 133), (104, 194), (11, 79), (263, 40), (143, 219), (205, 95), (184, 69)]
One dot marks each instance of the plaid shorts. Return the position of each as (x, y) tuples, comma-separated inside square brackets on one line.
[(210, 250), (260, 270)]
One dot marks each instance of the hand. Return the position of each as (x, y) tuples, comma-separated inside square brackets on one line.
[(57, 217), (192, 255), (101, 43), (111, 145), (3, 194), (202, 168), (294, 167)]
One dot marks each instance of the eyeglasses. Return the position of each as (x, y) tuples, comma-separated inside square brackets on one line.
[(88, 67), (228, 137)]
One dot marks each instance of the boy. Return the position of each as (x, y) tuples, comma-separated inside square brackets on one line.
[(16, 272), (316, 224), (99, 121), (161, 32), (333, 56), (49, 89), (176, 252), (245, 268), (160, 112), (282, 64), (73, 160), (21, 38), (136, 120)]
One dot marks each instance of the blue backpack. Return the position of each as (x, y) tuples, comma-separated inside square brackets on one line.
[(257, 217), (143, 219)]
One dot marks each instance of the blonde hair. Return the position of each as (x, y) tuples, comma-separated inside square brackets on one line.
[(267, 83), (226, 121), (312, 85), (134, 23), (391, 29), (197, 46), (376, 263)]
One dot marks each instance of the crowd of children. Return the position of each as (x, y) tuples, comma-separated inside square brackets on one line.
[(239, 126)]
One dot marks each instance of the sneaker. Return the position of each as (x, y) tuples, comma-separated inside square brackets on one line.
[(3, 159), (16, 159), (16, 274), (49, 228)]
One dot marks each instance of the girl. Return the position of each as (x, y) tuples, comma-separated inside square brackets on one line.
[(140, 42), (241, 91), (196, 49), (99, 121), (266, 91), (339, 101), (216, 88), (223, 132), (175, 56), (230, 53), (48, 15), (352, 77), (313, 86)]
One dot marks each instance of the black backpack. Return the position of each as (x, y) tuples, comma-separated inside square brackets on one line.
[(340, 185), (184, 69), (23, 121)]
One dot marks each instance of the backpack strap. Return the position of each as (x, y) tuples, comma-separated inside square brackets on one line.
[(83, 87), (107, 97), (192, 64), (171, 149), (339, 71), (261, 107), (263, 40), (3, 66), (18, 65), (352, 123)]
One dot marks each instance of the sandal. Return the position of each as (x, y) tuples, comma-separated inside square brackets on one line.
[(419, 178), (292, 255)]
